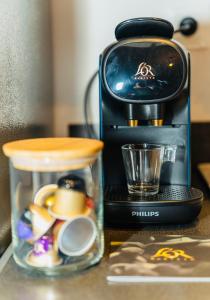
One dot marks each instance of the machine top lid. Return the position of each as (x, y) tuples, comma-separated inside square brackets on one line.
[(139, 27), (146, 70)]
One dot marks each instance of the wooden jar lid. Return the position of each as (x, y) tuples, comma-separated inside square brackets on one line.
[(52, 154)]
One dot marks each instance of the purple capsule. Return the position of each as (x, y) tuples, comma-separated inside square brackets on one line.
[(43, 245), (24, 231)]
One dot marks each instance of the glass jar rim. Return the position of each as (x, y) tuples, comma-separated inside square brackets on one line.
[(51, 165)]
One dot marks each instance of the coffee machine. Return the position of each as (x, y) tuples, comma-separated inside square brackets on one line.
[(145, 98)]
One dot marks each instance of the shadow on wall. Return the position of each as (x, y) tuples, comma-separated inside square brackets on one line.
[(199, 48), (69, 77)]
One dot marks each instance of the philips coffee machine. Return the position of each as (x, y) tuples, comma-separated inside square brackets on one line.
[(145, 98)]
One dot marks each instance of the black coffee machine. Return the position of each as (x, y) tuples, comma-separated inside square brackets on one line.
[(145, 98)]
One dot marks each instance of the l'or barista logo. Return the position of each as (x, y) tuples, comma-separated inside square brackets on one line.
[(144, 72), (171, 254)]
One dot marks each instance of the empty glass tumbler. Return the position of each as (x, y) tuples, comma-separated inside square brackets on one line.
[(143, 164), (56, 204)]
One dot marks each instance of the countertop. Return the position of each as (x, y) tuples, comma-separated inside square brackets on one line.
[(92, 285)]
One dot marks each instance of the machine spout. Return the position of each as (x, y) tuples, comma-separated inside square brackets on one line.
[(133, 123), (157, 122), (147, 114)]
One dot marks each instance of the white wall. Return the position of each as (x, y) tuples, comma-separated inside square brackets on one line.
[(25, 84), (83, 28), (25, 64)]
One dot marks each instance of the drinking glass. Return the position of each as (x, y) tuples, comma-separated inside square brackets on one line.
[(143, 164)]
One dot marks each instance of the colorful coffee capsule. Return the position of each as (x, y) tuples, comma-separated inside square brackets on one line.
[(24, 226), (24, 231), (43, 245), (76, 236), (42, 221), (45, 195), (44, 254), (55, 231), (49, 201), (70, 198), (89, 202)]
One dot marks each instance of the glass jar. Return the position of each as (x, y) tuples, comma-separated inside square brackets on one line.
[(56, 194)]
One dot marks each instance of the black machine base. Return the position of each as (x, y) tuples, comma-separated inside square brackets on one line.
[(172, 205)]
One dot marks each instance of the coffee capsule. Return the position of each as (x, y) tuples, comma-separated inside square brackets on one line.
[(64, 217), (49, 201), (24, 231), (45, 195), (55, 231), (24, 226), (42, 221), (70, 198), (89, 202), (44, 254), (76, 236)]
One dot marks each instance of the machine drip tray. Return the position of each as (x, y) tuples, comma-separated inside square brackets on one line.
[(174, 204)]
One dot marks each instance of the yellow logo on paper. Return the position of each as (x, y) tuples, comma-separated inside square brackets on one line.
[(171, 254)]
